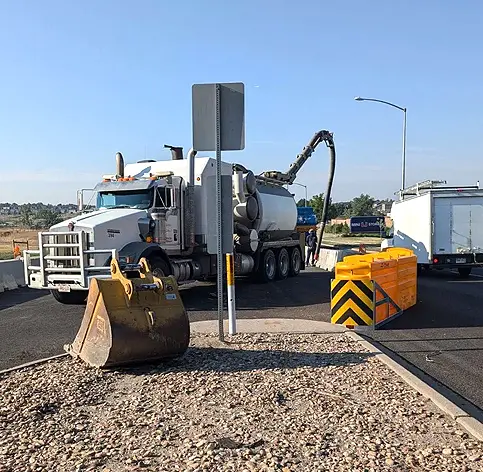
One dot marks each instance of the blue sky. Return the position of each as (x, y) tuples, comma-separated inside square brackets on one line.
[(81, 80)]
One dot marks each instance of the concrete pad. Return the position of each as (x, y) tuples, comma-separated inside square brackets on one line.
[(270, 325)]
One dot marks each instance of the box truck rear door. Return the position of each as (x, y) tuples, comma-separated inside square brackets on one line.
[(442, 226), (458, 224)]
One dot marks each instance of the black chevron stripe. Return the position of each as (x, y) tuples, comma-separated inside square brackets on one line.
[(352, 296), (339, 286), (351, 314), (363, 288)]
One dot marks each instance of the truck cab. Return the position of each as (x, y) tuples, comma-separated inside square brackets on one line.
[(133, 216)]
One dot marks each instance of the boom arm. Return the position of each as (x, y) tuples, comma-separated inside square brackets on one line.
[(289, 177)]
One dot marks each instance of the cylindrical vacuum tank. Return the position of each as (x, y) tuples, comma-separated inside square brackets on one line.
[(277, 210)]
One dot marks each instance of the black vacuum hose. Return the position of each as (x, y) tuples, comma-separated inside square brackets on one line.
[(320, 232)]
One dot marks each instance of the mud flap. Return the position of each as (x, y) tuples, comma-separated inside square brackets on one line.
[(131, 318)]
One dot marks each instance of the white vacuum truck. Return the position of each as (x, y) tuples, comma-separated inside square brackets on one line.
[(165, 211)]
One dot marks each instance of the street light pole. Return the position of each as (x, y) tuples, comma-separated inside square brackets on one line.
[(305, 186), (403, 176), (404, 110)]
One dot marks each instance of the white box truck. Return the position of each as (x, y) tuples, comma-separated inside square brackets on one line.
[(443, 225)]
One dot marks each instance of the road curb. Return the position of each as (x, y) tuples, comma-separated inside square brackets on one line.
[(270, 325), (33, 363), (473, 426)]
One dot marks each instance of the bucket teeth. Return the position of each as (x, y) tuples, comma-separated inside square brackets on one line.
[(131, 320)]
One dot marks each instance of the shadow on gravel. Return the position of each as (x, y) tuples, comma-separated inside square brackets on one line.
[(231, 360), (309, 288), (11, 298)]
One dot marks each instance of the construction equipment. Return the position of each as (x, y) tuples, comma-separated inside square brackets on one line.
[(165, 212), (131, 317)]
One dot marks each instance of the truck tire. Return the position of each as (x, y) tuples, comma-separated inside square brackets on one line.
[(295, 262), (283, 264), (76, 297), (159, 267), (464, 272), (268, 267)]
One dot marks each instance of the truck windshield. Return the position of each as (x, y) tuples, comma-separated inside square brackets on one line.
[(130, 199)]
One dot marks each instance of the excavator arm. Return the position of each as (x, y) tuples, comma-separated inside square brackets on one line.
[(289, 177)]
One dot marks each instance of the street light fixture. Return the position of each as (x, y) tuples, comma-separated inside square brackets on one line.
[(404, 110)]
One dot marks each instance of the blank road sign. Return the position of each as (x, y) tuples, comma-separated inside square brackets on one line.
[(232, 116)]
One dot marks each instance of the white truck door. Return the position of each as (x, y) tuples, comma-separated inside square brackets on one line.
[(458, 225), (442, 226), (467, 225), (476, 225)]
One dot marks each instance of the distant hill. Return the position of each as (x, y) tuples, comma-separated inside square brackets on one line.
[(16, 208)]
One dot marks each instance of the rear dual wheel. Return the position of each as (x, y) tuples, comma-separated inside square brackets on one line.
[(283, 264), (295, 261), (280, 265), (267, 270)]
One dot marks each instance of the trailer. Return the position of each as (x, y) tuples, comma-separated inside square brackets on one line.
[(443, 225), (165, 212)]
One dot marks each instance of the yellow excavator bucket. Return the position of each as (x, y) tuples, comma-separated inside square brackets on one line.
[(130, 318)]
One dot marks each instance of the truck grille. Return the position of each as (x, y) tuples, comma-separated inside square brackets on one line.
[(64, 251), (65, 258)]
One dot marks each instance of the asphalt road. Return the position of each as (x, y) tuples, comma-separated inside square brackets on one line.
[(442, 335), (33, 325)]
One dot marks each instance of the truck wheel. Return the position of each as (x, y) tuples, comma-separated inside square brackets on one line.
[(464, 272), (159, 267), (76, 297), (295, 262), (268, 266), (283, 264)]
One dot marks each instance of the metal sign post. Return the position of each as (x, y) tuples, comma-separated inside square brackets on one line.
[(230, 282), (219, 112), (219, 225)]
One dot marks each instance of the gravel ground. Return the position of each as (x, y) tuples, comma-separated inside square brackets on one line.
[(259, 403)]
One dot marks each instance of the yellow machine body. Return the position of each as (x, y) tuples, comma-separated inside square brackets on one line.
[(130, 318)]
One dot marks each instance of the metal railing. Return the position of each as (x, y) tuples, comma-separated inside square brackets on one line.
[(64, 258)]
